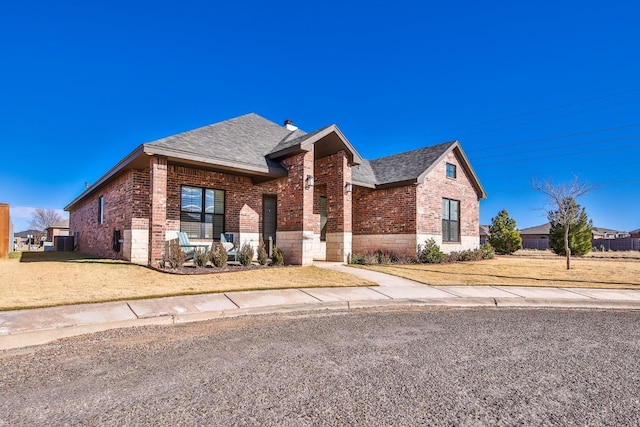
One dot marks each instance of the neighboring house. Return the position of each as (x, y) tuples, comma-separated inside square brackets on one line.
[(602, 238), (635, 233), (58, 229), (536, 237), (22, 238), (311, 194), (485, 234), (606, 233)]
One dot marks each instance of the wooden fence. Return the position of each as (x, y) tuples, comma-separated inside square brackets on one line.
[(622, 244)]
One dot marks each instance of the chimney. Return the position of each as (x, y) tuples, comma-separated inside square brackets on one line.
[(289, 125)]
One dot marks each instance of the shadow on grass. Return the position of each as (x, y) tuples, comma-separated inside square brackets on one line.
[(55, 256)]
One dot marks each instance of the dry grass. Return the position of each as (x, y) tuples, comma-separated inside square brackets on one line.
[(50, 278), (526, 271), (628, 255)]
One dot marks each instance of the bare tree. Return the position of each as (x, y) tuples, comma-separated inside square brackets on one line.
[(561, 199), (41, 219)]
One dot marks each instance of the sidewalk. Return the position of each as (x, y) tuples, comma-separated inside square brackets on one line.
[(22, 328)]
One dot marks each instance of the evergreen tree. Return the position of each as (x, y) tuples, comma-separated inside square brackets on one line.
[(579, 233), (505, 239)]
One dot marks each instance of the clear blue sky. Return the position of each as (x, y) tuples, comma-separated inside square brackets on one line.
[(542, 89)]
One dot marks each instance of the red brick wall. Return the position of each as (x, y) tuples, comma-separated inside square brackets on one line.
[(94, 238), (240, 195), (385, 211), (295, 204), (436, 187)]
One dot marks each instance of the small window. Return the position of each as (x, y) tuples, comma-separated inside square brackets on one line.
[(101, 210), (451, 170)]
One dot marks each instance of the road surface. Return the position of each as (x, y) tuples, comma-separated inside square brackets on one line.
[(400, 366)]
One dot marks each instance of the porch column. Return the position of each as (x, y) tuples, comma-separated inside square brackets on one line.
[(157, 208), (339, 223), (294, 235)]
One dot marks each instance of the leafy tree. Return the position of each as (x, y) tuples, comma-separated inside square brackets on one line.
[(41, 219), (562, 199), (505, 238), (579, 234)]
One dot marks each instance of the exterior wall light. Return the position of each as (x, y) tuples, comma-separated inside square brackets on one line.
[(308, 182), (348, 188)]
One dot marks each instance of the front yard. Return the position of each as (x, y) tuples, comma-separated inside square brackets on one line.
[(42, 279), (523, 270)]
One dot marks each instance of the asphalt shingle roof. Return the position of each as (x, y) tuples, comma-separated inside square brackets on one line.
[(538, 229), (399, 167), (245, 140)]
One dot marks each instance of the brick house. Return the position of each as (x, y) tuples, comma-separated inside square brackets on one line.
[(311, 194)]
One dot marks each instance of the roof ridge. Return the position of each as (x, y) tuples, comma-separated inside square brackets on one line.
[(404, 153)]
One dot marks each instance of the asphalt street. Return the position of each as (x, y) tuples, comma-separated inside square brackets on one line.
[(377, 366)]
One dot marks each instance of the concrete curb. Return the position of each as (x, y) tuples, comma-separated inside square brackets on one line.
[(47, 335)]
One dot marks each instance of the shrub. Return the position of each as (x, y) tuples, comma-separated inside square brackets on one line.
[(278, 257), (176, 255), (200, 258), (487, 251), (430, 253), (218, 255), (263, 256), (245, 254), (357, 259)]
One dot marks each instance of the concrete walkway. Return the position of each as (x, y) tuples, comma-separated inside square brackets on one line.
[(22, 328)]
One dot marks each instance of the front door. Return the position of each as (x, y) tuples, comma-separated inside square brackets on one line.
[(269, 221)]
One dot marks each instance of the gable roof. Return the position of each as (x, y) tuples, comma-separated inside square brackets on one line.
[(538, 229), (61, 224), (601, 230), (411, 167)]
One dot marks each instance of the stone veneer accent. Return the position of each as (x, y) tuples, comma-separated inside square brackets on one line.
[(339, 246), (401, 244), (138, 249), (295, 252)]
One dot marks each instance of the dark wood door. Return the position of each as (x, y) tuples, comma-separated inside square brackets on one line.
[(269, 219)]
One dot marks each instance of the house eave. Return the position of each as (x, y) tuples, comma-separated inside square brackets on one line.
[(307, 145), (269, 170), (137, 159), (119, 167)]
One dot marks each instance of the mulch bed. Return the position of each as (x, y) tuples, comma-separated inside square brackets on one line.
[(209, 269)]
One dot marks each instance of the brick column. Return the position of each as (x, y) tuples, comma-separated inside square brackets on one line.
[(339, 224), (158, 208), (294, 234)]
